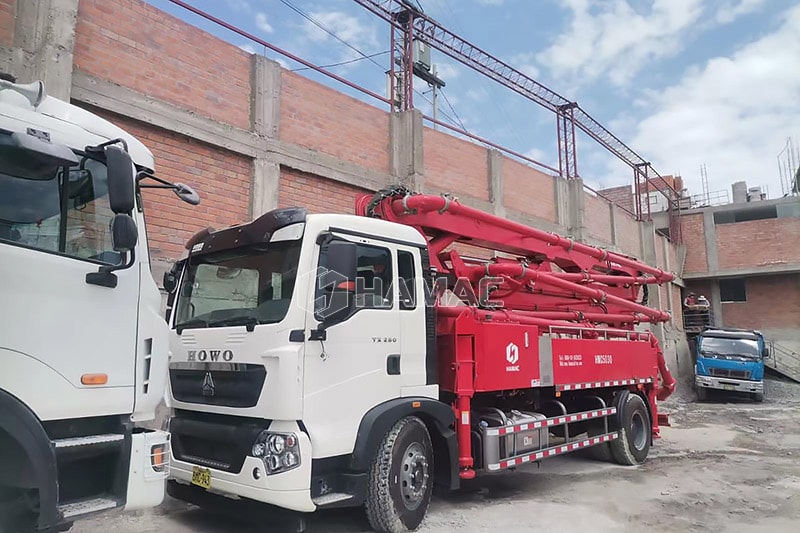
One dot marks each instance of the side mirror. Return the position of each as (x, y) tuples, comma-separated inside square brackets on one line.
[(121, 190), (187, 194), (124, 237), (170, 281), (766, 351), (124, 234)]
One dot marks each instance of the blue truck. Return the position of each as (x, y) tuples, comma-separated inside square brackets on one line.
[(730, 359)]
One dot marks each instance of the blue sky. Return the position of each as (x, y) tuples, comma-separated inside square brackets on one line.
[(682, 82)]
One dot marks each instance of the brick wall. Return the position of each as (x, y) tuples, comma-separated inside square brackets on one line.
[(156, 54), (321, 118), (597, 217), (221, 178), (622, 196), (7, 12), (455, 165), (772, 302), (694, 239), (628, 234), (528, 190), (758, 243), (318, 195)]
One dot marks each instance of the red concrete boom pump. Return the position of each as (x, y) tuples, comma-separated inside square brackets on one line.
[(581, 303)]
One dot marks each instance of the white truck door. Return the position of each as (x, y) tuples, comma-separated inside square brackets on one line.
[(359, 365), (68, 332)]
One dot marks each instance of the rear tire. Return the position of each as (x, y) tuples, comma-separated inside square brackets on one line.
[(633, 443), (401, 478)]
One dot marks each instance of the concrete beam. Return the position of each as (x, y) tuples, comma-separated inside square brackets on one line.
[(495, 176), (44, 43), (129, 103), (716, 304), (710, 233), (570, 207), (406, 149), (742, 272), (137, 106)]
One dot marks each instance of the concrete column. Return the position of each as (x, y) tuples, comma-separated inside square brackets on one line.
[(265, 116), (716, 304), (570, 206), (495, 166), (614, 233), (44, 43), (710, 233), (406, 152), (648, 238)]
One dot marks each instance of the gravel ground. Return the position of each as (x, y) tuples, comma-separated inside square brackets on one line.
[(725, 465)]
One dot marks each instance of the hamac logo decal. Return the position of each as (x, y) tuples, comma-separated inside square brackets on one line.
[(512, 356)]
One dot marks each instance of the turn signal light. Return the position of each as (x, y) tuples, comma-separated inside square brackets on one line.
[(94, 379), (157, 457)]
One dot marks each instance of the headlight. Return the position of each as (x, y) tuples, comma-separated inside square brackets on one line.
[(279, 451)]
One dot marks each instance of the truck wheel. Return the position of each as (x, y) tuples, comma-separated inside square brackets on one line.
[(702, 394), (758, 397), (401, 478), (633, 443)]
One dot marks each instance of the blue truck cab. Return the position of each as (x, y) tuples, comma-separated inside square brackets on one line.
[(730, 360)]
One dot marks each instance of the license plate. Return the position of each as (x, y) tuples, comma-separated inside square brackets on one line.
[(201, 477), (729, 387)]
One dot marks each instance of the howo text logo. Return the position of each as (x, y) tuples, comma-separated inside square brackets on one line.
[(512, 356)]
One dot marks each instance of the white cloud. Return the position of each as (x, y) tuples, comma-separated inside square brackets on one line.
[(491, 2), (525, 63), (734, 114), (733, 9), (238, 5), (262, 23), (249, 48), (346, 27), (612, 38), (447, 71)]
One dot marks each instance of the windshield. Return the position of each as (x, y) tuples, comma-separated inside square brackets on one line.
[(56, 209), (718, 346), (248, 285)]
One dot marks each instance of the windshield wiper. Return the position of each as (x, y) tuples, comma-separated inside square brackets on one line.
[(249, 322), (709, 352), (192, 323)]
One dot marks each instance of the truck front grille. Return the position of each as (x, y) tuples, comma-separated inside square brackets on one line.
[(216, 442), (226, 385), (729, 373)]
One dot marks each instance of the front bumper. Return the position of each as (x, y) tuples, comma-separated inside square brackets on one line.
[(145, 480), (289, 490), (740, 385)]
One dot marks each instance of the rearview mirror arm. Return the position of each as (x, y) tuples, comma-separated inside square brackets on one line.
[(105, 276)]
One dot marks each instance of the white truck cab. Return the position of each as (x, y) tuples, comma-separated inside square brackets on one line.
[(272, 383), (83, 348)]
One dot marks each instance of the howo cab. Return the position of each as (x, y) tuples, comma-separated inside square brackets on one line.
[(730, 360)]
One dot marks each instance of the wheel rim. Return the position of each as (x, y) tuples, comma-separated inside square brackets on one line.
[(414, 475), (638, 431)]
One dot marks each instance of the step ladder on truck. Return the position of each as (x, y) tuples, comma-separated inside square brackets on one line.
[(326, 360), (83, 348)]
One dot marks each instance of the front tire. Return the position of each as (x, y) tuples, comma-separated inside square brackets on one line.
[(702, 394), (633, 443), (758, 397), (401, 478)]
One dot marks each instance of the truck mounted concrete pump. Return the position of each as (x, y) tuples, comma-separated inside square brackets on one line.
[(83, 345), (326, 360)]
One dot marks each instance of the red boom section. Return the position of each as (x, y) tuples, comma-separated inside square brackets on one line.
[(540, 310)]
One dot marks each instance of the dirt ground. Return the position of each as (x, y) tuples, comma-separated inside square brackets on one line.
[(723, 466)]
